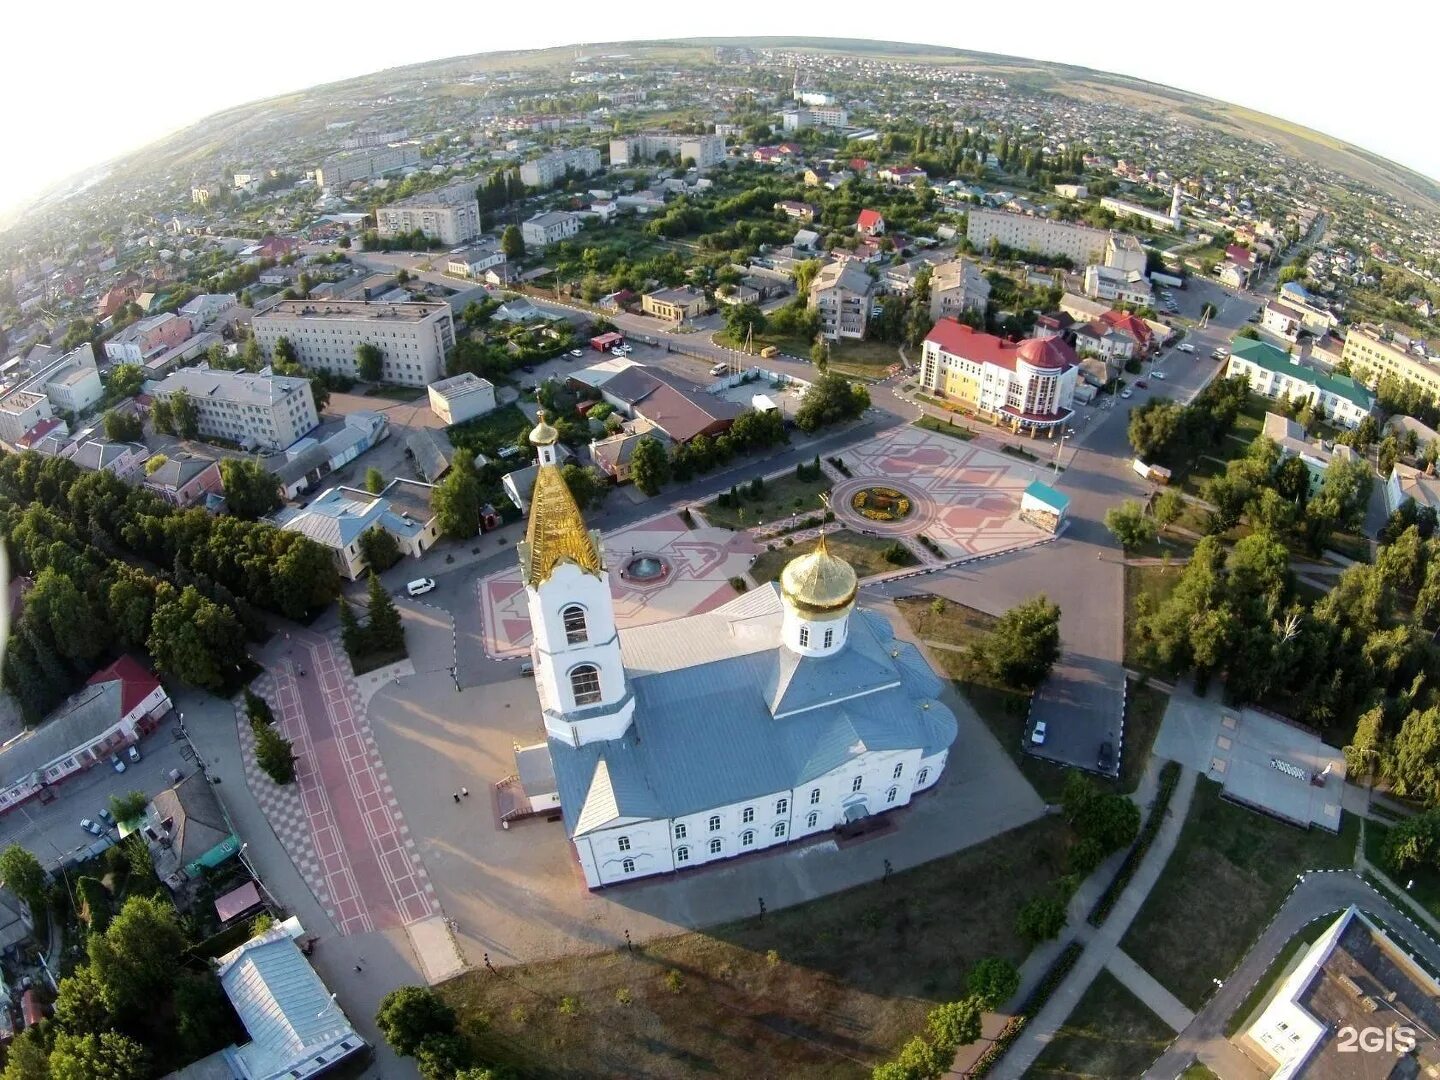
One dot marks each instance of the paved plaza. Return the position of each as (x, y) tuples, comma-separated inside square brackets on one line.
[(699, 564), (964, 498)]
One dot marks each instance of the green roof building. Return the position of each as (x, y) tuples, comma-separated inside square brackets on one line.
[(1277, 374)]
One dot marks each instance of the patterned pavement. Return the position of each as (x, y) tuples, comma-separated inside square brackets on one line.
[(340, 821), (964, 498), (701, 563)]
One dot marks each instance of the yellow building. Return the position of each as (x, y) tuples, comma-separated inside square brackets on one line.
[(676, 305), (1371, 359)]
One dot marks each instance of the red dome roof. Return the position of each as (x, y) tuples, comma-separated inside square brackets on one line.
[(1049, 353)]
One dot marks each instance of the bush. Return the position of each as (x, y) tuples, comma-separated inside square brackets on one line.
[(1034, 1002), (274, 754), (257, 709), (1169, 777), (1041, 919), (674, 981), (897, 554), (411, 1014), (739, 584)]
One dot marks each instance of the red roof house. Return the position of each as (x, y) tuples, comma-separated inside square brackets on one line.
[(1240, 256), (871, 223), (1133, 325), (140, 690)]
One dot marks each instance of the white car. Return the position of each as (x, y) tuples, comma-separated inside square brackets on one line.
[(1185, 346), (1037, 734), (1158, 375), (420, 586), (1126, 393), (576, 352)]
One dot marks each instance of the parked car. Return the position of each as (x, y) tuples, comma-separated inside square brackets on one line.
[(1158, 375), (117, 763), (528, 369), (133, 753), (576, 352), (91, 827), (719, 369), (106, 816), (1106, 760), (1037, 734), (1141, 384), (1127, 393), (527, 670), (420, 586), (1185, 346)]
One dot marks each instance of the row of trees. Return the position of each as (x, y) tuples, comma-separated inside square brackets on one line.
[(381, 633), (752, 431)]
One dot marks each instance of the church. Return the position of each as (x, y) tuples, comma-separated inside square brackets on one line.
[(784, 714)]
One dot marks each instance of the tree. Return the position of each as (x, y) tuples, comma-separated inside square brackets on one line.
[(384, 630), (369, 362), (352, 636), (274, 754), (1169, 506), (374, 480), (957, 1023), (27, 1057), (194, 638), (743, 319), (512, 243), (993, 981), (136, 958), (378, 549), (125, 380), (1024, 645), (831, 399), (182, 413), (80, 1004), (285, 353), (1040, 919), (123, 426), (162, 417), (108, 1055), (251, 490), (1155, 429), (649, 467), (440, 1057), (588, 485), (820, 356), (1129, 524), (458, 499), (407, 1015), (22, 874), (130, 806)]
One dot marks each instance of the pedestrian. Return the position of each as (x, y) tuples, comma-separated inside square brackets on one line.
[(358, 968), (455, 795), (465, 791)]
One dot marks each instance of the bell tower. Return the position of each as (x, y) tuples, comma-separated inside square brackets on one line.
[(576, 652)]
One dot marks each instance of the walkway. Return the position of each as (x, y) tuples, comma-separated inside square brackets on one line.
[(1102, 945)]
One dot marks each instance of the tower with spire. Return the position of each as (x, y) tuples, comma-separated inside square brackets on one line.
[(1175, 208)]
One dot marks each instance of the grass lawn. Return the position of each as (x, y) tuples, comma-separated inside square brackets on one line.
[(1426, 877), (825, 990), (1198, 1071), (1230, 871), (486, 434), (865, 553), (1154, 584), (1277, 970), (1111, 1033), (394, 392), (1144, 709), (1004, 709), (366, 662), (777, 501), (945, 427), (863, 359)]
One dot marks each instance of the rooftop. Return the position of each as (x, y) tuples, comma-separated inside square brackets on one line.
[(957, 339), (237, 387), (350, 310), (1267, 356), (457, 385)]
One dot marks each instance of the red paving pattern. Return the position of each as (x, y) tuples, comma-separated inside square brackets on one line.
[(360, 862)]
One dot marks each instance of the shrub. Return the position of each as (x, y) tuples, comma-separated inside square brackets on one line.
[(568, 1006), (623, 996), (257, 708), (274, 754), (937, 606), (789, 541), (897, 554), (674, 981), (739, 584), (1169, 777), (1040, 920)]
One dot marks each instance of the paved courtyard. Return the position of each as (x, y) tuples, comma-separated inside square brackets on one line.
[(700, 563), (964, 498)]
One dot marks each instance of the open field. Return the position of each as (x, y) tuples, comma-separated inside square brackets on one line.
[(1110, 1033), (865, 553), (1231, 869), (827, 989)]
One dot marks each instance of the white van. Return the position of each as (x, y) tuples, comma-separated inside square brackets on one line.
[(420, 586)]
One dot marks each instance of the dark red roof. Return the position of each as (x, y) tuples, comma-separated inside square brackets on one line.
[(960, 340), (859, 164), (137, 683), (1137, 327), (1237, 254), (38, 432)]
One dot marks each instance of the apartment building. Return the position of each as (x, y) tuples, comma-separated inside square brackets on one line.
[(1125, 253), (957, 286), (145, 338), (707, 150), (412, 336), (269, 411), (548, 228), (1279, 375), (20, 411), (1109, 283), (1029, 385), (69, 383), (676, 305), (1080, 244), (341, 169), (827, 116), (1371, 358), (842, 294), (450, 215), (549, 170)]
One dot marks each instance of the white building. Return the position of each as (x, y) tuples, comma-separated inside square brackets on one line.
[(412, 336), (1277, 375), (822, 116), (71, 382), (1170, 221), (1030, 385), (957, 286), (1080, 244), (474, 261), (338, 517), (1409, 484), (707, 150), (842, 294), (205, 309), (461, 398), (546, 171), (1123, 252), (549, 228), (1290, 438), (1127, 286), (269, 411), (783, 714), (449, 214), (364, 164)]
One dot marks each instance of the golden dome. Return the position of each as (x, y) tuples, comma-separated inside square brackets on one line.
[(819, 582), (543, 434)]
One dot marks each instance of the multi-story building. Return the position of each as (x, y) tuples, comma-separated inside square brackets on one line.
[(1080, 244), (1124, 253), (69, 383), (706, 150), (1154, 218), (449, 214), (1371, 358), (1279, 375), (1290, 438), (147, 337), (546, 171), (1109, 283), (825, 116), (475, 260), (1029, 385), (364, 164), (548, 228), (842, 295), (676, 305), (412, 336), (21, 411), (269, 411), (461, 397), (956, 287)]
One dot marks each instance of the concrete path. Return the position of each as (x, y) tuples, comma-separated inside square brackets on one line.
[(1148, 989), (1101, 945), (1317, 894)]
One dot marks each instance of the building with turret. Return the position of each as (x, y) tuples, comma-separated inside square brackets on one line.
[(785, 714)]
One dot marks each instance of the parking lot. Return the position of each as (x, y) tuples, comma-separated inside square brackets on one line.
[(52, 832)]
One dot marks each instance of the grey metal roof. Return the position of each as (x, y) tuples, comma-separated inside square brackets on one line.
[(705, 735), (197, 823), (178, 471), (87, 715)]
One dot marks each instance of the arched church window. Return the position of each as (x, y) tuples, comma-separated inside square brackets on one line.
[(575, 630), (585, 684)]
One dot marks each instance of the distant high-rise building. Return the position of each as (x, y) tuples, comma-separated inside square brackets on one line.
[(707, 150), (546, 171), (450, 215)]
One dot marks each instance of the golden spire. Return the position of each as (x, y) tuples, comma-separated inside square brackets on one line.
[(556, 532)]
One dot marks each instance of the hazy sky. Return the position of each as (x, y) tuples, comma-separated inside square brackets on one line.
[(85, 81)]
